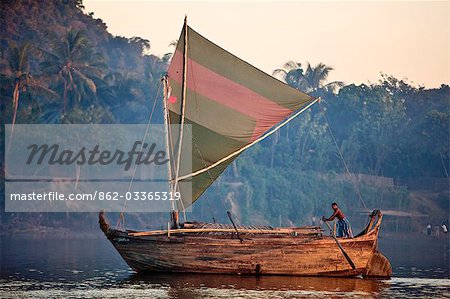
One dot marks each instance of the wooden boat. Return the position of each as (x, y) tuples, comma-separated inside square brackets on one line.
[(229, 106), (259, 251)]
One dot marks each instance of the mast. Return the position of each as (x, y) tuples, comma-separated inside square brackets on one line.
[(166, 127), (182, 113)]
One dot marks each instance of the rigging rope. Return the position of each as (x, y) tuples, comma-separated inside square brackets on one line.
[(342, 157), (121, 217)]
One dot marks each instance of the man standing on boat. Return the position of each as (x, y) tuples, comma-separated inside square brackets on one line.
[(343, 226)]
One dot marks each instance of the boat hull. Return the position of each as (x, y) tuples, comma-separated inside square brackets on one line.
[(256, 254)]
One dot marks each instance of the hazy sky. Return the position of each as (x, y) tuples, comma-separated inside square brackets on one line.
[(358, 39)]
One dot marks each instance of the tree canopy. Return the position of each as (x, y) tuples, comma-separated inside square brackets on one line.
[(61, 65)]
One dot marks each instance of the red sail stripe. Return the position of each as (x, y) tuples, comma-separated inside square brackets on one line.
[(228, 93), (262, 128)]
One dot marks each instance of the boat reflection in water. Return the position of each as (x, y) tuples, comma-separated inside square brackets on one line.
[(229, 286), (232, 286)]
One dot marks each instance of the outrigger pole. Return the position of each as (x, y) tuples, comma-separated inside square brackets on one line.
[(349, 260)]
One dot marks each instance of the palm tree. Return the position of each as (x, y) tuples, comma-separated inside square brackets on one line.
[(76, 67), (18, 64), (20, 80), (123, 88), (317, 76), (292, 74), (313, 79), (166, 57)]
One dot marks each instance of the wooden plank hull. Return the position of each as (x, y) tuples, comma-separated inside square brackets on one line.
[(257, 254), (283, 251)]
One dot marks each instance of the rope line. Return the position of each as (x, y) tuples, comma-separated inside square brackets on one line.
[(122, 217), (342, 157)]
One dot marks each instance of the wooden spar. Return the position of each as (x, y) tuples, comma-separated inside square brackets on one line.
[(349, 260), (183, 106), (218, 225), (166, 127), (226, 230)]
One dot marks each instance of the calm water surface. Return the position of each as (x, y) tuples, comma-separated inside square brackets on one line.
[(91, 268)]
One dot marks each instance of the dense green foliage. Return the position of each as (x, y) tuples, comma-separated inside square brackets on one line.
[(71, 54), (60, 65)]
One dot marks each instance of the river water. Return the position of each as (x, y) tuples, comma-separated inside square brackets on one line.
[(91, 268)]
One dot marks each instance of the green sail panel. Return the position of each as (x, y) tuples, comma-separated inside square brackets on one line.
[(229, 104)]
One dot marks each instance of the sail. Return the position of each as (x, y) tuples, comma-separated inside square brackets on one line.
[(228, 105)]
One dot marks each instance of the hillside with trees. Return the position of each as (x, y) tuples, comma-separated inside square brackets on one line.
[(363, 145)]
